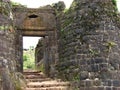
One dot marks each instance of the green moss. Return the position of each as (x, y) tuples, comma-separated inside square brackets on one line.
[(68, 22), (5, 27), (93, 52), (18, 80), (77, 89), (17, 86), (76, 78), (109, 45)]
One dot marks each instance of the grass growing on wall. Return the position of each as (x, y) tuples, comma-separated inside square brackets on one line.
[(29, 59)]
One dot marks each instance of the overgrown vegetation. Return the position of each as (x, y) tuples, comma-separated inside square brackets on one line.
[(109, 45), (59, 7), (114, 2), (29, 58), (17, 4), (6, 27)]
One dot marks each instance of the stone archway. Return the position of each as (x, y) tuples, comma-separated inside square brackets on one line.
[(36, 22)]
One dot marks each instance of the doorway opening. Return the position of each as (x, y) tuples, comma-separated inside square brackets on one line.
[(29, 45)]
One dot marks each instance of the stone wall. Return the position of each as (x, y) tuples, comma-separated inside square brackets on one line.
[(39, 54), (46, 54), (89, 48), (8, 71)]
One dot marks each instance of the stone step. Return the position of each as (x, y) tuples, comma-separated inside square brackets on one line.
[(38, 80), (47, 84), (33, 73), (34, 76), (29, 70), (49, 88)]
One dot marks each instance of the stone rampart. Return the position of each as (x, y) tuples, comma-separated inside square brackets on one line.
[(9, 76), (89, 48)]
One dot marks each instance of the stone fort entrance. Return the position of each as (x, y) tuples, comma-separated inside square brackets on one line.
[(36, 22), (88, 44)]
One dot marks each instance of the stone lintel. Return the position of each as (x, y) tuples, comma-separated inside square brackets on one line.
[(37, 29), (34, 33)]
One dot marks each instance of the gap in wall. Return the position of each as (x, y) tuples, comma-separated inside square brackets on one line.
[(29, 44)]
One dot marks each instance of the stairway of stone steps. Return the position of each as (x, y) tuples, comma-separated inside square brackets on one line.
[(38, 81)]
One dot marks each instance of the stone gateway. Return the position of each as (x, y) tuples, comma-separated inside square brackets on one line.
[(80, 45)]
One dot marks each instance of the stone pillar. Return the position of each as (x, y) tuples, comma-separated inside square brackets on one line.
[(46, 56), (53, 53), (19, 50)]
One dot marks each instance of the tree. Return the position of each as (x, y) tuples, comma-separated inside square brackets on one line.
[(60, 6), (114, 2)]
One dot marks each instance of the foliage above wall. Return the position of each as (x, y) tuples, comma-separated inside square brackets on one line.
[(60, 6), (16, 4), (114, 2)]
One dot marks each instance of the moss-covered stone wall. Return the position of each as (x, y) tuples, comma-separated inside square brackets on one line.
[(9, 77), (89, 45)]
